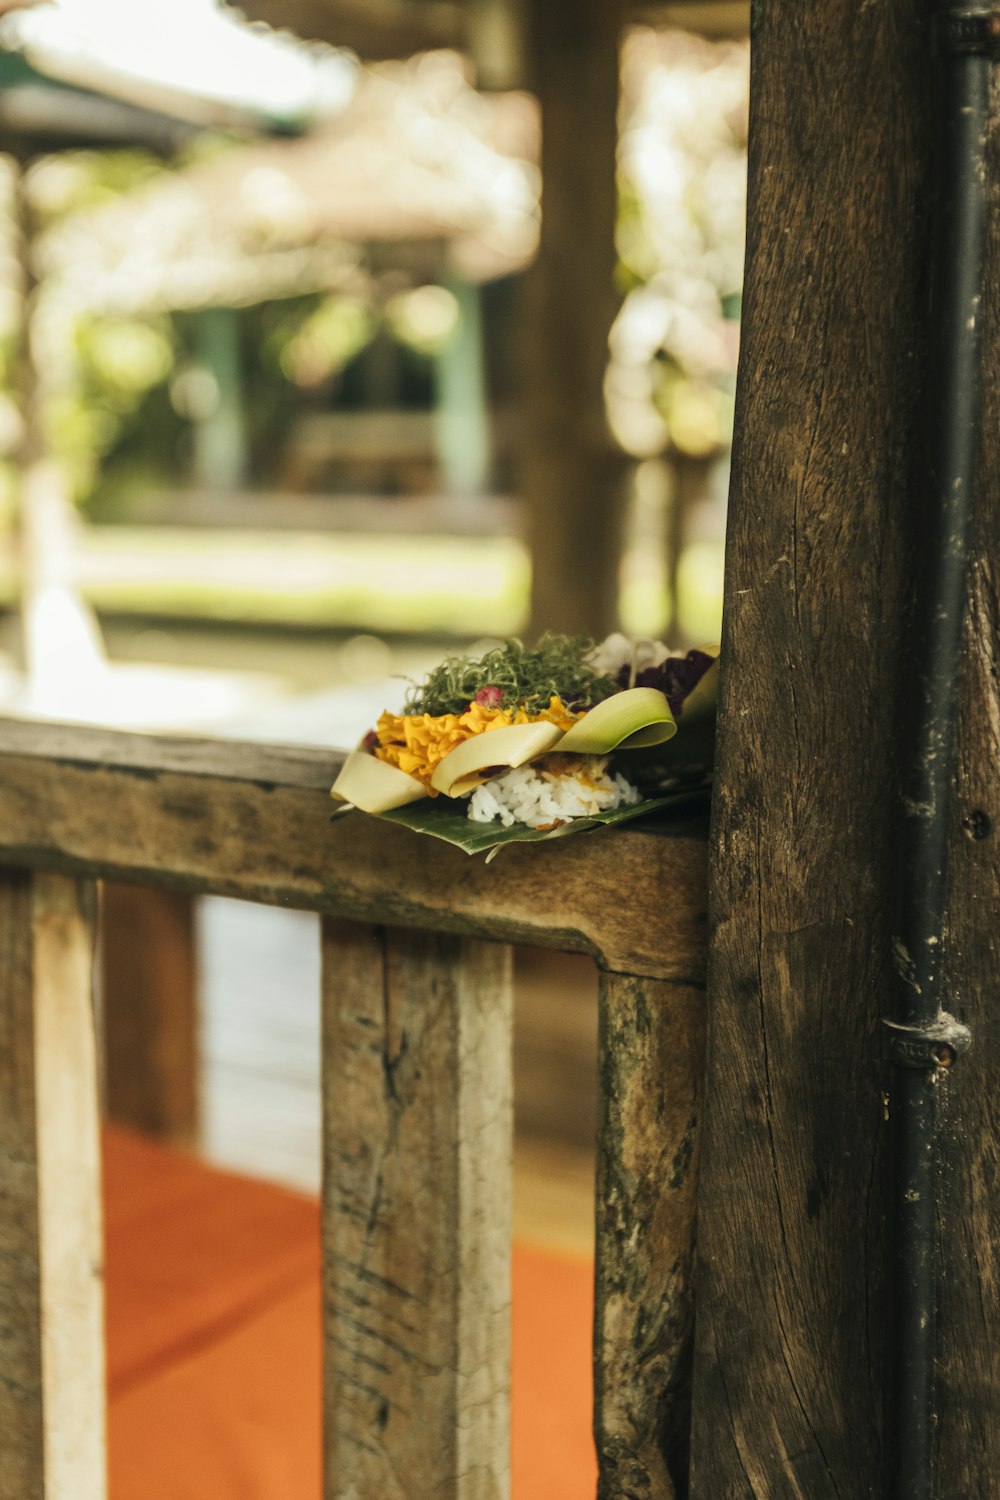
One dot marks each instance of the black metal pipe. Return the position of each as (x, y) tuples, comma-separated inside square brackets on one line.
[(924, 1039)]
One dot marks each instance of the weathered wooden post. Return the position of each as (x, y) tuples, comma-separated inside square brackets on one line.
[(790, 1353), (52, 1443)]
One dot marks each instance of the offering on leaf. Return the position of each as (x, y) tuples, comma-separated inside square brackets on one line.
[(533, 742)]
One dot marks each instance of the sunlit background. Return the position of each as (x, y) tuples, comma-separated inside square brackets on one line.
[(259, 363)]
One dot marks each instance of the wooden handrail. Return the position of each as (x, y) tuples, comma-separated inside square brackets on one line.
[(417, 1089), (254, 822)]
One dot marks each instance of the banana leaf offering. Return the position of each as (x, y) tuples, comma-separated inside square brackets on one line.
[(529, 743)]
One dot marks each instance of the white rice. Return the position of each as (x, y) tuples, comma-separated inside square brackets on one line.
[(550, 791)]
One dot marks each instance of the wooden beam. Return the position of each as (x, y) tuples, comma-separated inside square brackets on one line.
[(51, 1310), (791, 1285), (418, 1129), (255, 822)]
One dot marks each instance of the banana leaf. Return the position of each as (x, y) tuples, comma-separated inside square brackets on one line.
[(445, 818)]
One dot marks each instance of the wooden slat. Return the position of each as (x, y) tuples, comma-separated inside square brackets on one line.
[(417, 1173), (652, 1040), (22, 1456), (51, 1318), (149, 1012), (254, 822)]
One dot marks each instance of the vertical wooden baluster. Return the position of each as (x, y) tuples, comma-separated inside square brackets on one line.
[(417, 1205), (149, 1011), (52, 1444), (652, 1039)]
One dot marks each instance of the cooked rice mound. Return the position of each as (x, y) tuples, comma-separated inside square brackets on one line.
[(550, 791)]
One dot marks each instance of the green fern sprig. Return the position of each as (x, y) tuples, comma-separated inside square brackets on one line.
[(526, 676)]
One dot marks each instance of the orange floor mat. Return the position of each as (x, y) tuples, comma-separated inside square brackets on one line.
[(214, 1341)]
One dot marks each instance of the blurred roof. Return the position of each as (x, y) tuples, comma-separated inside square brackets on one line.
[(193, 60), (417, 159), (39, 114)]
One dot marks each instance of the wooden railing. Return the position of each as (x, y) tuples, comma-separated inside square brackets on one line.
[(416, 1073)]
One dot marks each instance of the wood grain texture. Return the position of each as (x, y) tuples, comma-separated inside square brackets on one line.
[(652, 1040), (969, 1148), (254, 822), (417, 1172), (788, 1369), (149, 1011), (51, 1310)]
